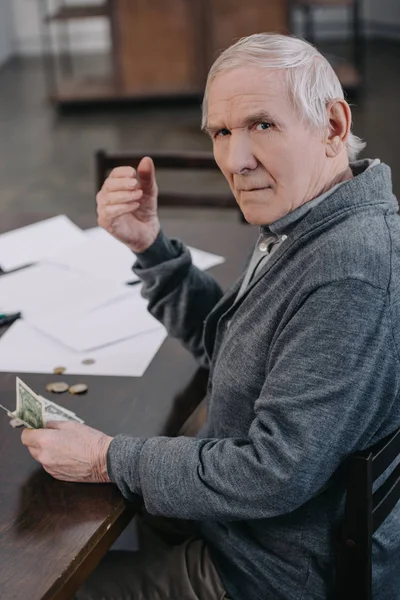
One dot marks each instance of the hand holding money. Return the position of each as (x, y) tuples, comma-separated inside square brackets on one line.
[(70, 451), (57, 438)]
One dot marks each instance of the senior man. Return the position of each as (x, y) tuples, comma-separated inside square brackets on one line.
[(303, 350)]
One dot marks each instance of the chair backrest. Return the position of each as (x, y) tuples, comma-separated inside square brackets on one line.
[(365, 511), (195, 161)]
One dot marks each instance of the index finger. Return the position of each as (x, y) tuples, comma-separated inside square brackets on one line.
[(123, 172), (60, 425)]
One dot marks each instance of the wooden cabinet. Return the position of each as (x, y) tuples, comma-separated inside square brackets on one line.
[(163, 48), (233, 19), (156, 44)]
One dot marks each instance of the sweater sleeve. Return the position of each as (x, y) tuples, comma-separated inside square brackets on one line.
[(180, 296), (332, 377)]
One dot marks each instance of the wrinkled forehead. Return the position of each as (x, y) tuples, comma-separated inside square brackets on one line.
[(234, 92)]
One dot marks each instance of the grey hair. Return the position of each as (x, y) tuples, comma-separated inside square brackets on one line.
[(312, 82)]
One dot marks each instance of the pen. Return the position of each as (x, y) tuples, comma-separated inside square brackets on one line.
[(10, 318)]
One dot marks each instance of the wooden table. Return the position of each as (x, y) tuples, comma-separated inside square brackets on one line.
[(52, 534)]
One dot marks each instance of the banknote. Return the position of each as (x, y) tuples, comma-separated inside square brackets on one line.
[(58, 413), (35, 411), (48, 403), (30, 408)]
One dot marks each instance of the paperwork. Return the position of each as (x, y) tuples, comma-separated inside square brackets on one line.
[(24, 349), (117, 321), (31, 243), (43, 290), (102, 256), (77, 309), (98, 255), (205, 260)]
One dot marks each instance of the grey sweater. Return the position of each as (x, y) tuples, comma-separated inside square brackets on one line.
[(304, 370)]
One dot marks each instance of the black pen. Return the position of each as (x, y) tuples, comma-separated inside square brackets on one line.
[(10, 318)]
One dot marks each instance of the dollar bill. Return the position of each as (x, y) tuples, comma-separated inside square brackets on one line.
[(35, 411), (48, 403), (30, 408), (57, 413)]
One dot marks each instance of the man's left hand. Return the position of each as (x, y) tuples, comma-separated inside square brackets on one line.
[(70, 451)]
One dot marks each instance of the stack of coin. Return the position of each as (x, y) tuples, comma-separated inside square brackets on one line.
[(78, 388), (57, 387)]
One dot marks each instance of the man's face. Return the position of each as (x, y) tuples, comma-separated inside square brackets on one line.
[(273, 162)]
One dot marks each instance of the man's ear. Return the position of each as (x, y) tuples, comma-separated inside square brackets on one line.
[(339, 117)]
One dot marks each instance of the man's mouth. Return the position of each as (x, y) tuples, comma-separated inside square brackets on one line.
[(255, 189)]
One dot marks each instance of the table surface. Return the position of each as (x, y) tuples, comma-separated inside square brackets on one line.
[(52, 534)]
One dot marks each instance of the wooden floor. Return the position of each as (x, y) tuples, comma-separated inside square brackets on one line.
[(46, 157)]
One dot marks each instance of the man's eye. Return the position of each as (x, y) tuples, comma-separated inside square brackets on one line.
[(222, 132), (262, 126)]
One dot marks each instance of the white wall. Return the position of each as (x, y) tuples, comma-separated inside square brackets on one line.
[(6, 31), (86, 35), (383, 18)]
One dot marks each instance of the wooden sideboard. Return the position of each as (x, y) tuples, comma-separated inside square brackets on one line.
[(159, 48)]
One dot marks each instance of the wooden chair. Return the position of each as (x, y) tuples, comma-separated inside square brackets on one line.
[(365, 511), (203, 161)]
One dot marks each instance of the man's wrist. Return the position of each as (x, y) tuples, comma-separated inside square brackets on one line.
[(100, 463), (146, 243)]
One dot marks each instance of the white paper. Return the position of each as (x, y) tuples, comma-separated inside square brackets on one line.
[(44, 290), (117, 321), (104, 257), (24, 349), (31, 243), (201, 259), (205, 260), (99, 255)]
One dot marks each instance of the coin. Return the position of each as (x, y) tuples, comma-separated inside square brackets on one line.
[(58, 387), (59, 370), (88, 361), (78, 388)]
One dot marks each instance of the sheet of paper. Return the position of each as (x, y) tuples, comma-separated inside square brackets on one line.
[(99, 255), (31, 243), (44, 290), (117, 321), (24, 349), (205, 260), (104, 257)]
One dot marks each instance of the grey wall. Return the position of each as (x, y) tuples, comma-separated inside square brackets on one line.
[(384, 18), (6, 30), (381, 17), (384, 11)]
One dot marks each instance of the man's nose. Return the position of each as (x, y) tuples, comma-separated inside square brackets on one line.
[(240, 157)]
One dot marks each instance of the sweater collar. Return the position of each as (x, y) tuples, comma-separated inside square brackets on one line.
[(286, 224)]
